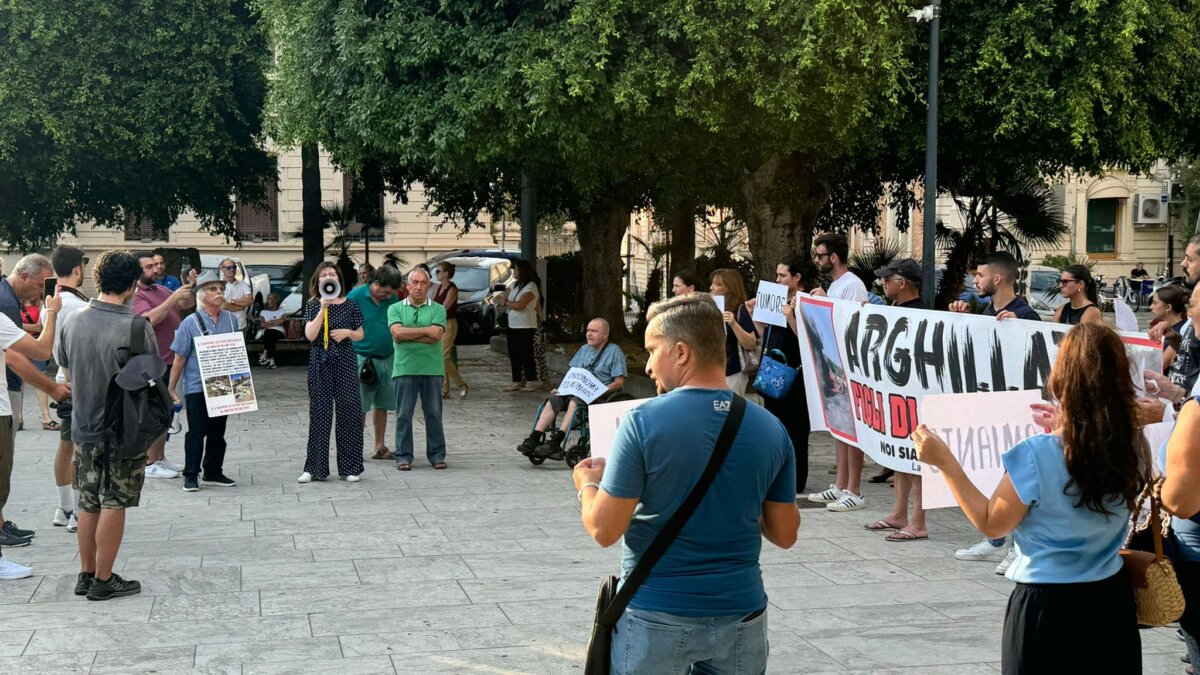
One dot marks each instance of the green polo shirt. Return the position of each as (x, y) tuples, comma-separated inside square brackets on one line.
[(377, 338), (417, 358)]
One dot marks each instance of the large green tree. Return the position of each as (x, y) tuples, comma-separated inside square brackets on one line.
[(140, 110)]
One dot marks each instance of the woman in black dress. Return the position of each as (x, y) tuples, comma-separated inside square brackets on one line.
[(332, 379)]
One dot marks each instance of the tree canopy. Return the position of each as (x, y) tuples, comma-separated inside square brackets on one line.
[(136, 110)]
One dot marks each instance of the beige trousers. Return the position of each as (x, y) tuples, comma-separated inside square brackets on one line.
[(448, 345)]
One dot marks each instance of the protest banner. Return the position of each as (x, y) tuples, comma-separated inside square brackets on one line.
[(603, 421), (582, 383), (225, 372), (978, 428), (867, 367), (769, 302)]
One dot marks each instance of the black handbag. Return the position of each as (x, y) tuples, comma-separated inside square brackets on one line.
[(367, 373), (611, 602)]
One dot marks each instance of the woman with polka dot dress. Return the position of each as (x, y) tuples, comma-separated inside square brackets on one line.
[(332, 378)]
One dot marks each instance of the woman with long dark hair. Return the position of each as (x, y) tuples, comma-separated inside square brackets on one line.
[(1083, 299), (684, 282), (332, 379), (1066, 498), (739, 326), (522, 302)]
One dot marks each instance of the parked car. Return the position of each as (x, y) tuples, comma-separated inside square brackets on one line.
[(511, 256), (1043, 295), (260, 283), (290, 294), (476, 278)]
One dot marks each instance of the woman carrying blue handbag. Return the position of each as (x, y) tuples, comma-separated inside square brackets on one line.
[(782, 387)]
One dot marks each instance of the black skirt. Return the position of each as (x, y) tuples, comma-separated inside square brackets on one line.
[(1072, 628)]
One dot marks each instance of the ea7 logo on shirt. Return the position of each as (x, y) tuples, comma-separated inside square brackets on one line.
[(721, 406)]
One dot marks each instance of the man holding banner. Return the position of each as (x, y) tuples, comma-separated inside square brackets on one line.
[(831, 251)]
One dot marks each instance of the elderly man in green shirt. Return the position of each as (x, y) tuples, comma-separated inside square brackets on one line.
[(417, 325), (374, 299)]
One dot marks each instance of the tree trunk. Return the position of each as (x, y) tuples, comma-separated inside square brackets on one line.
[(313, 228), (600, 233), (782, 203), (681, 218)]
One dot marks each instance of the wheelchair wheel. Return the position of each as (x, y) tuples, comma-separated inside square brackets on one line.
[(536, 461), (577, 453)]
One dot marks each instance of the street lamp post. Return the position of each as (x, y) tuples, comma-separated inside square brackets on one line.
[(931, 14)]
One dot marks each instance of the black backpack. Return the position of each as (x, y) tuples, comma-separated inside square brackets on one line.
[(137, 407)]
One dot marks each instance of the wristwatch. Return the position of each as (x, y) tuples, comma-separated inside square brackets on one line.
[(586, 485)]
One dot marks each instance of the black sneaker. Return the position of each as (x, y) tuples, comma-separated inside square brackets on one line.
[(219, 480), (83, 583), (11, 528), (113, 587), (529, 444), (191, 484), (552, 446), (8, 540)]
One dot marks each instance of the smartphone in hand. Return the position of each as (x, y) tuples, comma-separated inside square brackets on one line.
[(51, 285)]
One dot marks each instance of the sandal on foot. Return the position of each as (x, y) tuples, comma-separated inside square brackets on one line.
[(439, 465), (883, 476), (51, 426), (880, 525), (516, 386), (382, 453), (904, 535), (445, 394), (404, 466)]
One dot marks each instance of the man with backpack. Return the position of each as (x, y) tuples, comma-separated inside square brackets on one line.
[(96, 345)]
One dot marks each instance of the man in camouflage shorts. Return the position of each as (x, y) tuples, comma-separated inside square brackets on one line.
[(109, 478)]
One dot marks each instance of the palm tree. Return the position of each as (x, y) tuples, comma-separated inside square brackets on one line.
[(1020, 216), (864, 263), (337, 217)]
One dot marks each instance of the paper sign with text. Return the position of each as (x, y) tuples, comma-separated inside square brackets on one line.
[(225, 373), (582, 383), (603, 420), (768, 304), (720, 300), (978, 428)]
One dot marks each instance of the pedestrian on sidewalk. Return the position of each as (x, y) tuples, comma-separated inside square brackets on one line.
[(417, 325), (204, 444), (447, 296), (68, 262), (109, 475), (378, 396), (333, 379), (522, 301), (703, 607), (162, 307), (1066, 497)]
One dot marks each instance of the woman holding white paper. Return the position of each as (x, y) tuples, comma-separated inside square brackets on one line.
[(739, 326), (1066, 499)]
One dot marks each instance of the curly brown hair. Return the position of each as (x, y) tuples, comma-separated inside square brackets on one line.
[(1098, 417)]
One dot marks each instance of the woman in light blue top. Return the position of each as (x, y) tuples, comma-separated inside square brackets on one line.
[(1181, 496), (1066, 499)]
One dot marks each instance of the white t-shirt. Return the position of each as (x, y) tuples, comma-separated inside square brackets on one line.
[(236, 290), (10, 333), (523, 318), (71, 303), (271, 315), (848, 287)]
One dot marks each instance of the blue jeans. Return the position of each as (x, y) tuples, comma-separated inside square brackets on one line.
[(666, 644), (429, 388)]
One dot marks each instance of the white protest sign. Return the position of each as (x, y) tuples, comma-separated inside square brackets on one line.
[(768, 304), (720, 300), (225, 373), (978, 428), (582, 383), (603, 420)]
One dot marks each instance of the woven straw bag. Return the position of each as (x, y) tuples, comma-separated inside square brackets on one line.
[(1155, 588)]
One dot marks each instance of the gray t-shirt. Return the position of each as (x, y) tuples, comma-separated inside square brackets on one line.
[(90, 343)]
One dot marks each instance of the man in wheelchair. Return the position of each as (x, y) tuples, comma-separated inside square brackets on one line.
[(607, 362)]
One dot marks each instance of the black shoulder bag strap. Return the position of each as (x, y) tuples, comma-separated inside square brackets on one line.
[(658, 547), (137, 341), (592, 366)]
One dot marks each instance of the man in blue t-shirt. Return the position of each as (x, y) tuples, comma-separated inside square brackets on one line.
[(704, 603), (997, 277), (607, 362)]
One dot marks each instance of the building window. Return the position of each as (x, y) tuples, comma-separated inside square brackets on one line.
[(349, 199), (1102, 227), (141, 229), (256, 223)]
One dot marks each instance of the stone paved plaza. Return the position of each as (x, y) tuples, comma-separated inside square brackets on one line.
[(483, 568)]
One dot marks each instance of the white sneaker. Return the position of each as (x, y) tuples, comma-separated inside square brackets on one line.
[(170, 466), (60, 518), (1007, 562), (984, 550), (352, 479), (73, 523), (829, 496), (10, 570), (848, 502), (156, 471), (305, 477)]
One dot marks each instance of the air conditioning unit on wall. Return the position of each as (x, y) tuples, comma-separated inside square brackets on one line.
[(1149, 209)]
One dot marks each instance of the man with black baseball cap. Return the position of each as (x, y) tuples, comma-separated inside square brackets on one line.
[(901, 281)]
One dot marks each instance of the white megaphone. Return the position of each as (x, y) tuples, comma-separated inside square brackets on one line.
[(330, 288)]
